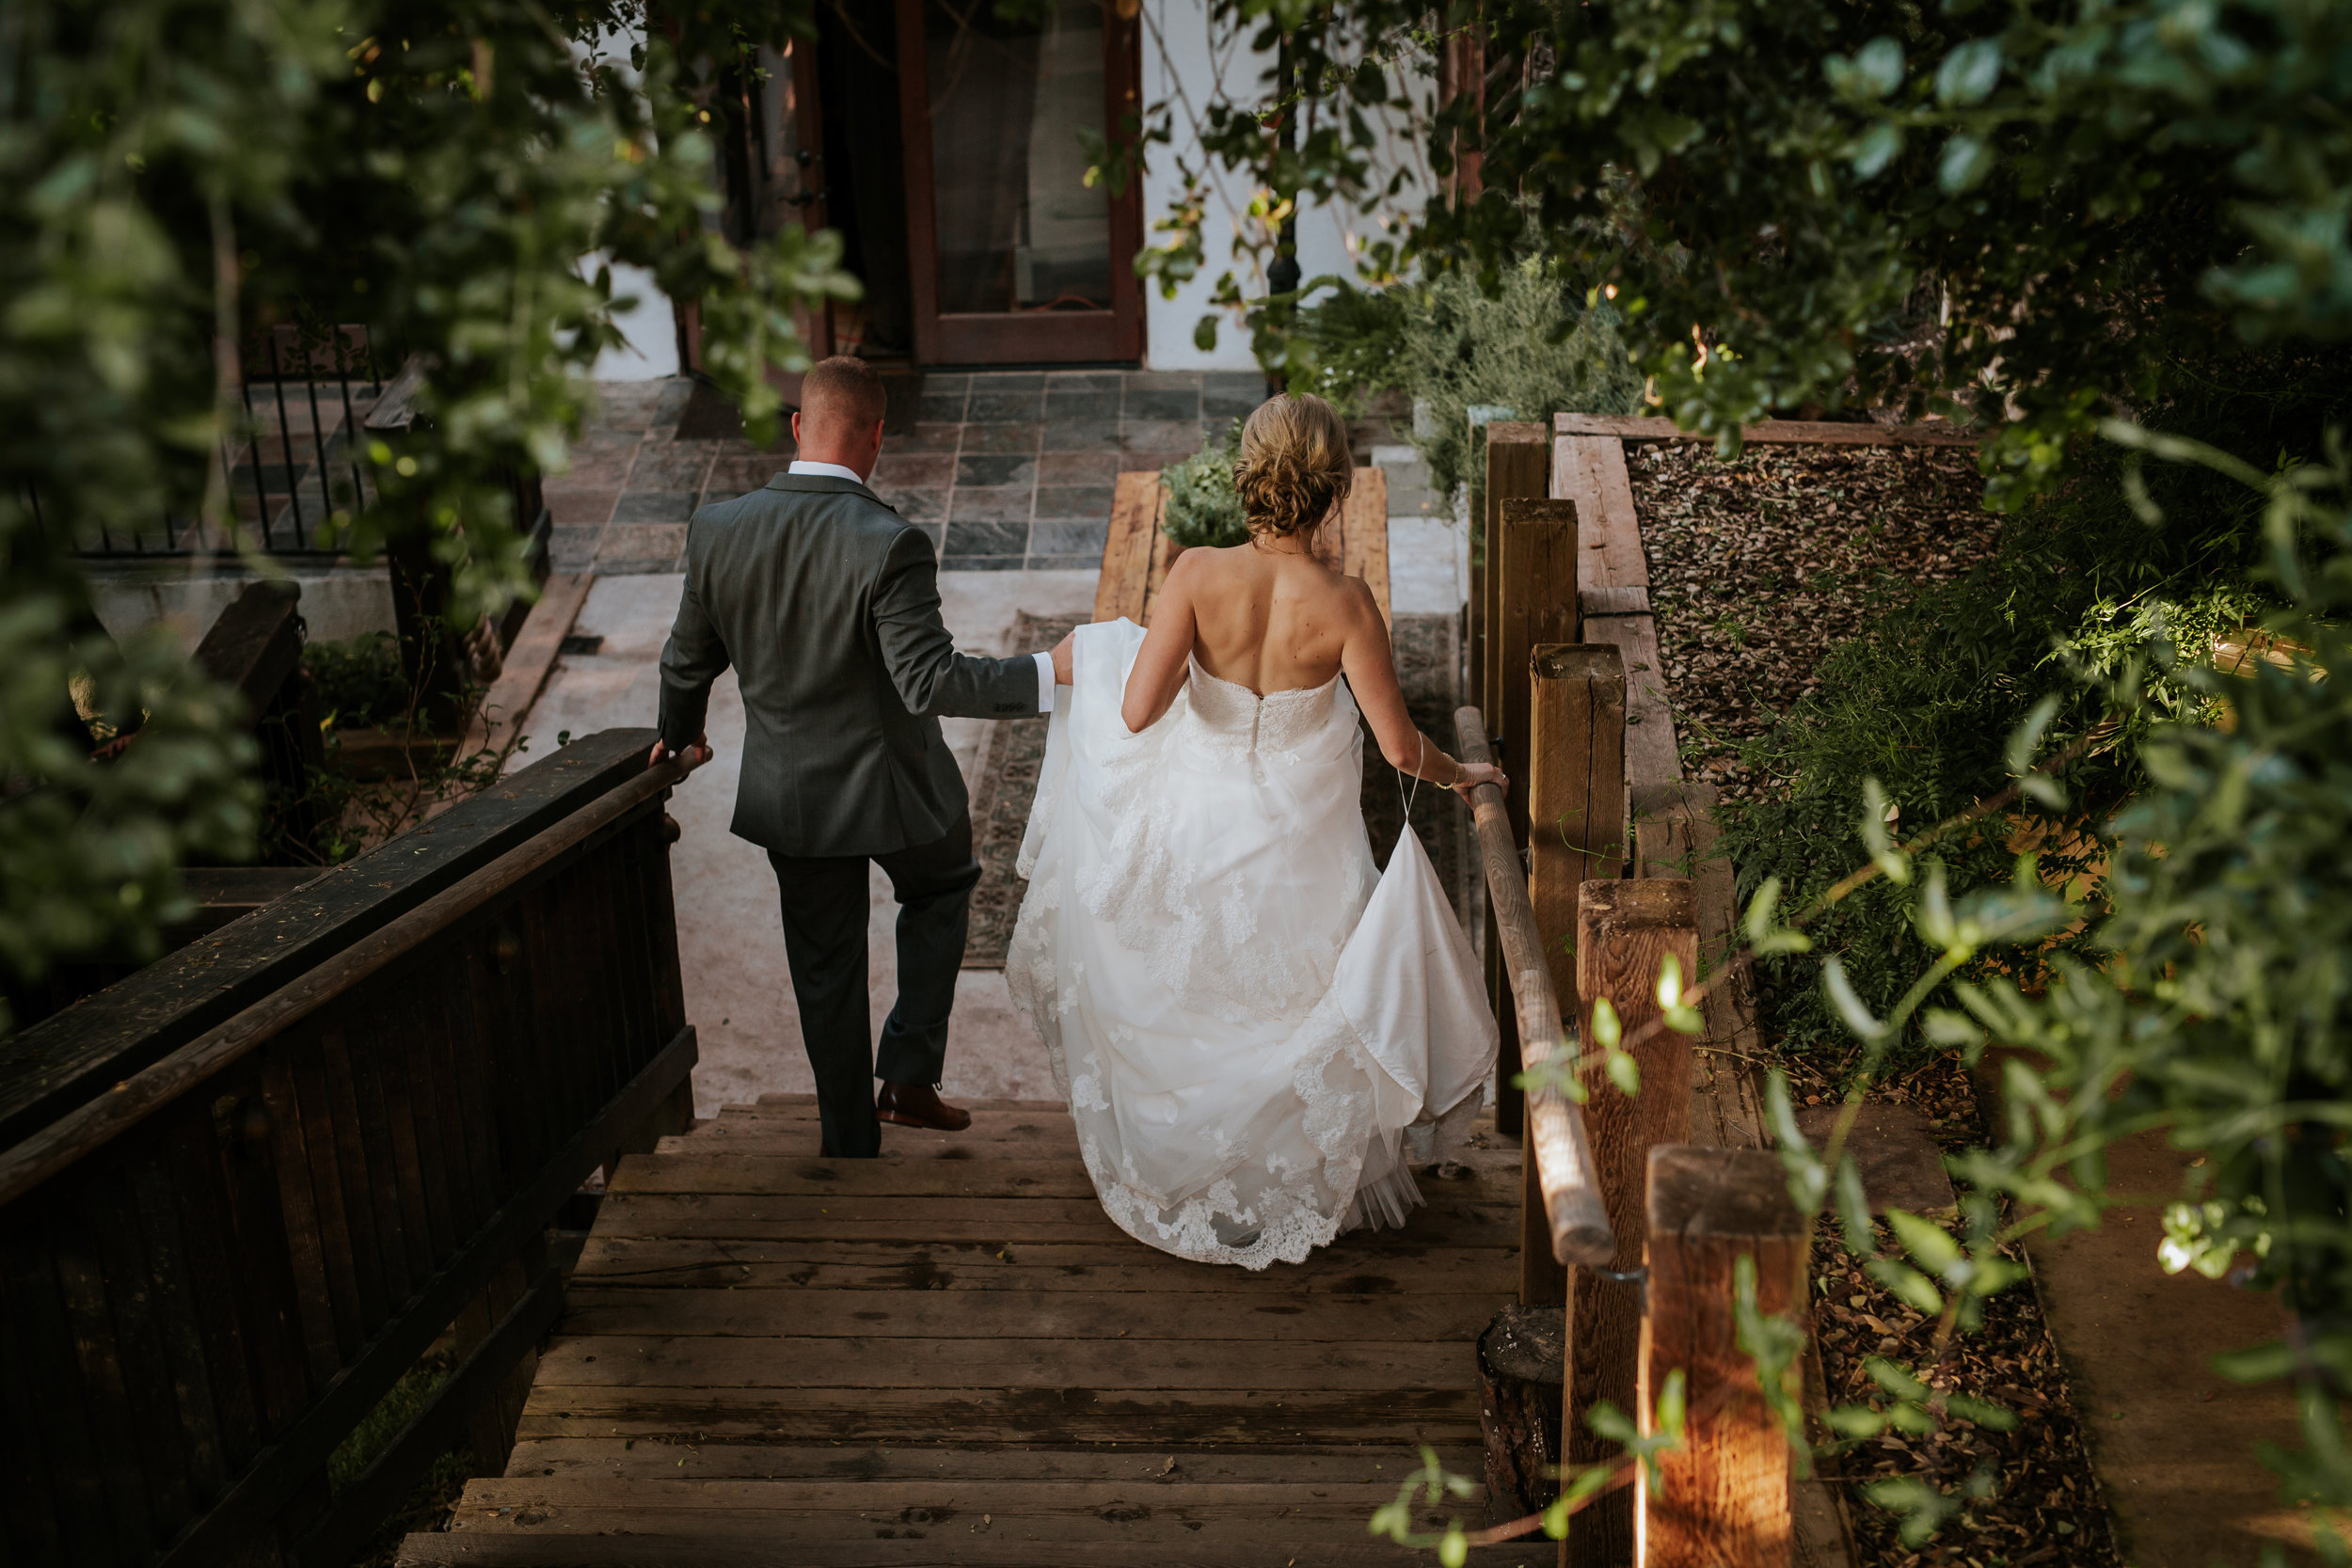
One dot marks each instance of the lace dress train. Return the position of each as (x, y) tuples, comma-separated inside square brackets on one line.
[(1256, 1028)]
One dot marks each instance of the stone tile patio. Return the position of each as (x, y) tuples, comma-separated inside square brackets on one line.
[(1007, 471)]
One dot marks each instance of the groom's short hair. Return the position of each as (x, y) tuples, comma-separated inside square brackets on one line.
[(843, 387)]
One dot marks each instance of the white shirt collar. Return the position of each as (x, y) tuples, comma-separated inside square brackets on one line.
[(831, 470)]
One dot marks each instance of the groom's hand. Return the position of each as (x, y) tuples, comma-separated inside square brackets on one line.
[(1063, 663), (689, 759)]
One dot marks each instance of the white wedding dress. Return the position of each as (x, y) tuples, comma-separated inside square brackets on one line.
[(1255, 1027)]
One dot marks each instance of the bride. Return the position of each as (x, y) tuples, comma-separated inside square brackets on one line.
[(1255, 1027)]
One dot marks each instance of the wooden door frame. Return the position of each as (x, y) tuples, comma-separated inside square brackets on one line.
[(1018, 337)]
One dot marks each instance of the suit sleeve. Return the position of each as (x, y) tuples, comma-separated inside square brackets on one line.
[(932, 678), (695, 657)]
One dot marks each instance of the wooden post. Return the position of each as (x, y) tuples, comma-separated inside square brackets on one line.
[(1724, 1502), (1535, 569), (1575, 790), (1518, 468), (1625, 931)]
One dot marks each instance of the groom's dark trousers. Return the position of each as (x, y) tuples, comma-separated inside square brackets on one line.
[(826, 603)]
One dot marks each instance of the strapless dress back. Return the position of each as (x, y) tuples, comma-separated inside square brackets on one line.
[(1255, 1027)]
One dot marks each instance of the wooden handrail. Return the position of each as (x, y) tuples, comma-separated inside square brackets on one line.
[(93, 1124), (1555, 1125)]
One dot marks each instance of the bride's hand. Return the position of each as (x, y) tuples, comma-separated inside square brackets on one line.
[(1476, 773)]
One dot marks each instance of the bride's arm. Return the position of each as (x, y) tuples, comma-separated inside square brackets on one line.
[(1370, 665), (1162, 663)]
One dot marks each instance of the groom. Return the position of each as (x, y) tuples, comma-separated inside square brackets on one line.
[(827, 604)]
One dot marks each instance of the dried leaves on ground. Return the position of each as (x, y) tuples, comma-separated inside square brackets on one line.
[(2042, 1502), (1759, 567)]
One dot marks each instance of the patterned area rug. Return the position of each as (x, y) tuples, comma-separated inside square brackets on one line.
[(1428, 659)]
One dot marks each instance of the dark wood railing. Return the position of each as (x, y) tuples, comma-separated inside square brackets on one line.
[(243, 1191)]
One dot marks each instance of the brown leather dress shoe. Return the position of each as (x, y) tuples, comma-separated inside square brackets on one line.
[(919, 1105)]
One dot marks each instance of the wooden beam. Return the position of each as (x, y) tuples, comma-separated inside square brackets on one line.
[(1592, 473), (1539, 606), (1675, 835), (1722, 1501), (497, 722), (1774, 432), (1515, 471), (1653, 753), (1575, 806), (1127, 553), (1557, 1143), (1364, 534), (86, 1050), (1625, 932), (1535, 567), (255, 643)]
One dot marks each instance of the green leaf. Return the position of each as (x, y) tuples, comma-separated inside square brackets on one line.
[(1854, 1420), (1927, 1242), (1965, 162), (1993, 1417), (1914, 1288), (1607, 1031), (1897, 1378), (1760, 908), (1875, 149), (2256, 1362), (1624, 1072), (1969, 74), (1849, 1006), (1853, 1210), (1205, 334)]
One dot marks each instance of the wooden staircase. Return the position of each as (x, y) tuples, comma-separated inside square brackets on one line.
[(950, 1355)]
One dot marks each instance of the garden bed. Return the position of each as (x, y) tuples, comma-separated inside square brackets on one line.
[(1758, 568)]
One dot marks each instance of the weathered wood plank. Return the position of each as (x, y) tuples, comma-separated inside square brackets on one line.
[(1675, 835), (1626, 930), (913, 1548), (1652, 755), (1240, 1314), (1127, 552), (670, 1459), (493, 1503), (1341, 1268), (1592, 474), (876, 1362), (738, 1172), (1364, 528), (1722, 1500), (1004, 1221), (1771, 432), (961, 1417), (103, 1040)]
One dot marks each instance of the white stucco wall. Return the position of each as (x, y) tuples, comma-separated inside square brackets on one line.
[(1187, 67), (650, 325)]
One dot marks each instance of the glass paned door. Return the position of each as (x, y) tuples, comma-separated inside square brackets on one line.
[(1022, 261)]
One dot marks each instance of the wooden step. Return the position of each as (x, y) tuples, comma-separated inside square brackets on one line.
[(671, 1459), (1293, 1318), (1178, 1548), (1347, 1267), (963, 1417)]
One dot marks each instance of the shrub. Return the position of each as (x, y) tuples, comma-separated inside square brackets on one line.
[(1203, 508)]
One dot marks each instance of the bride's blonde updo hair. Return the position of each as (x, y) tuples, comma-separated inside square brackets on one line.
[(1294, 466)]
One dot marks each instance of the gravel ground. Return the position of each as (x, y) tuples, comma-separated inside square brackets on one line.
[(1757, 567)]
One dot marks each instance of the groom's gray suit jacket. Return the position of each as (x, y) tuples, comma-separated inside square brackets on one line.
[(827, 604)]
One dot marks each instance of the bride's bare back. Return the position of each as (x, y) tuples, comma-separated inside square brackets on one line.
[(1268, 615)]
